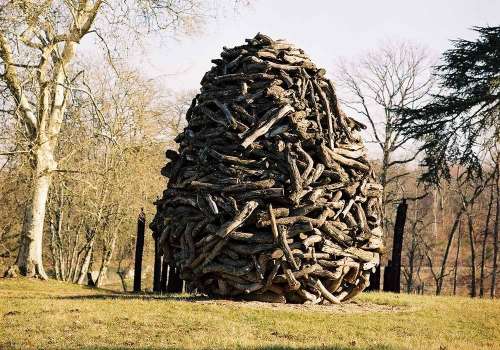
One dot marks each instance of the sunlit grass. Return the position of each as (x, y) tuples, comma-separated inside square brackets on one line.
[(54, 315)]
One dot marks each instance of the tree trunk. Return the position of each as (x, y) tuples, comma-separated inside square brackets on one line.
[(29, 259), (56, 229), (411, 262), (412, 250), (74, 257), (86, 262), (106, 259), (55, 251), (455, 273), (383, 182), (121, 274), (442, 272), (434, 213), (495, 232), (51, 112), (483, 248), (472, 257), (419, 268)]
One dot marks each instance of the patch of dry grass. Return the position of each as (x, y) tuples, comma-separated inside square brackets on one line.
[(54, 315)]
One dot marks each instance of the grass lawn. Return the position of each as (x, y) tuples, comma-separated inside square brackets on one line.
[(54, 315)]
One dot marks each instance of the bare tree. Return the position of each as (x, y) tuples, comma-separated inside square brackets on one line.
[(38, 43), (466, 203), (392, 77)]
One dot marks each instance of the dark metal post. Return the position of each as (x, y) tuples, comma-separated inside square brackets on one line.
[(139, 247)]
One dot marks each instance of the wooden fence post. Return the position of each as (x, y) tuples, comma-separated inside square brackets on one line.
[(394, 277), (175, 282), (374, 280), (139, 247), (157, 266)]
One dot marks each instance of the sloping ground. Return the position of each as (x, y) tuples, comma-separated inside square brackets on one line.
[(53, 315)]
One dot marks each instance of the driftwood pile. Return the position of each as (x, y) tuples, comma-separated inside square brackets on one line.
[(271, 195)]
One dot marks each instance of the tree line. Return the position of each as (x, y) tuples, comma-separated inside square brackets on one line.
[(436, 129)]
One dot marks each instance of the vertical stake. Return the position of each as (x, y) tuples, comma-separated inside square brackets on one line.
[(397, 246), (139, 247), (157, 266)]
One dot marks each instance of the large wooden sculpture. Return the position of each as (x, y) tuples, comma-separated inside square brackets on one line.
[(270, 195)]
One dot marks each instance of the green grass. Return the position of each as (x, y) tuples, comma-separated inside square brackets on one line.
[(54, 315)]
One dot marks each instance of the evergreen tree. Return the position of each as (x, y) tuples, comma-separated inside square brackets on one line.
[(461, 122)]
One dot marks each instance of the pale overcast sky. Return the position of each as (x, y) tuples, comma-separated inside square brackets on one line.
[(326, 30)]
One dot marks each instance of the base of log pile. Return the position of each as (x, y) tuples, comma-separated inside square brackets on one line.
[(270, 196)]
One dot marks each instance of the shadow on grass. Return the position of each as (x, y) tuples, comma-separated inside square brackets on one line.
[(130, 296), (267, 347), (174, 297)]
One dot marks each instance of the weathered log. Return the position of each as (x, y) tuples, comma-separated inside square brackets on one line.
[(282, 239), (251, 237), (229, 226), (264, 128), (321, 288)]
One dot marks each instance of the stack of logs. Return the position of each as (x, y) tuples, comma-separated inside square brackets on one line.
[(271, 195)]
